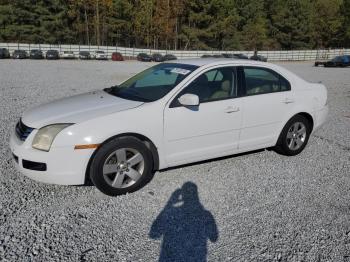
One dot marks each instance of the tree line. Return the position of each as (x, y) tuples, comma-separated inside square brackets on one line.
[(179, 24)]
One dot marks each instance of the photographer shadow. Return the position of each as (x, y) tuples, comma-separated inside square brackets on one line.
[(184, 226)]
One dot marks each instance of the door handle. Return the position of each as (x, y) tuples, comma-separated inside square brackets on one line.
[(288, 101), (232, 109)]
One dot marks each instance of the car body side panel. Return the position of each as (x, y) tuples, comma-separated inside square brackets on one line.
[(98, 130), (201, 132), (262, 115), (311, 100)]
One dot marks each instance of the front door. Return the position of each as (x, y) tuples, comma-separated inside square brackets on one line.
[(210, 129)]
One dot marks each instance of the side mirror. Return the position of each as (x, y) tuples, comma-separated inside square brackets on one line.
[(189, 100)]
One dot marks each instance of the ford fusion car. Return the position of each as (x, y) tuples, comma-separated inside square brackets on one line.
[(168, 115)]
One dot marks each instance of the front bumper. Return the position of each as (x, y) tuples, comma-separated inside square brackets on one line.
[(101, 57), (64, 165)]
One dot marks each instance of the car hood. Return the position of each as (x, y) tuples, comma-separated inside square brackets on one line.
[(76, 109)]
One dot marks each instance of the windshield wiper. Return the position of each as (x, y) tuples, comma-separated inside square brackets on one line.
[(111, 90)]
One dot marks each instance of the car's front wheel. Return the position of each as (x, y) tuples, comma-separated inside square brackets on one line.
[(294, 136), (122, 165)]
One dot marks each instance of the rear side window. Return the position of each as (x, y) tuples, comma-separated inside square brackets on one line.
[(263, 81)]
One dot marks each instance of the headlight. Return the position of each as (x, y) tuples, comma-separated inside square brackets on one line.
[(45, 136)]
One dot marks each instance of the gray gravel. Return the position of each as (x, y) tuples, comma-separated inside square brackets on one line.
[(253, 207)]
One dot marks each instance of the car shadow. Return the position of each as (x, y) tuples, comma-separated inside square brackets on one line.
[(184, 226)]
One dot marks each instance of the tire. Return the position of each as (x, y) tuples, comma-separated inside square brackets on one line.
[(292, 139), (115, 173)]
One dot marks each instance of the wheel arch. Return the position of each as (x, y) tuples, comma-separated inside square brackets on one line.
[(148, 142), (308, 116)]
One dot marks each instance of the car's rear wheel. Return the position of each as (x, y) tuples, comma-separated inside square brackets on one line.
[(294, 136), (122, 165)]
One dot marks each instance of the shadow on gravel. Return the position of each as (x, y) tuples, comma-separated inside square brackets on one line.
[(184, 226)]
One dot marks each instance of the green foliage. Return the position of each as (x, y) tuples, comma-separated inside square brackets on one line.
[(179, 24), (327, 22)]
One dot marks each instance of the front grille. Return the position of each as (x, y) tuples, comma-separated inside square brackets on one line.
[(22, 130)]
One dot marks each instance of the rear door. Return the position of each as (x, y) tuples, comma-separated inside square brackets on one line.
[(267, 98)]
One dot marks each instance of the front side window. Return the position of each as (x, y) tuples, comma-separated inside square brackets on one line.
[(263, 81), (216, 84), (153, 83)]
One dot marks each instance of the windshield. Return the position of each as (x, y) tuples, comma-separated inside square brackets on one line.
[(100, 52), (153, 83)]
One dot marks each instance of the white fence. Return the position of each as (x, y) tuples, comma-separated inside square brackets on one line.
[(131, 53)]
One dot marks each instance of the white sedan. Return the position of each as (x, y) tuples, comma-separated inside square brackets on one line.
[(67, 55), (100, 55), (167, 115)]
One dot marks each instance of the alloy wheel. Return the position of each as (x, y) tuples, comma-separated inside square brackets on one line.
[(296, 136), (123, 168)]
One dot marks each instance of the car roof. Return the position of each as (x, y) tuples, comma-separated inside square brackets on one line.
[(213, 61), (209, 62)]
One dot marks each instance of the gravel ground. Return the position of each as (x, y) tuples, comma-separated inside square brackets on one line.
[(253, 207)]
